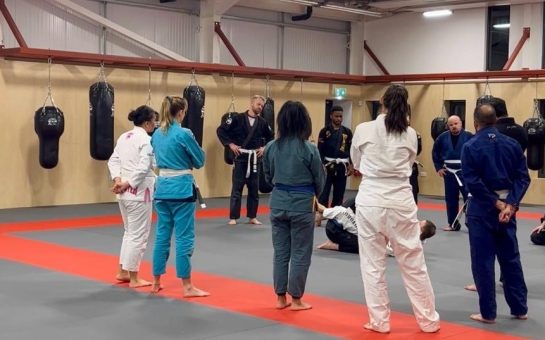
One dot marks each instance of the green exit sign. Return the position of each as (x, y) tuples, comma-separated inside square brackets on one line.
[(340, 92)]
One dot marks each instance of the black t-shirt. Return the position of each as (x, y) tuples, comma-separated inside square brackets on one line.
[(454, 139)]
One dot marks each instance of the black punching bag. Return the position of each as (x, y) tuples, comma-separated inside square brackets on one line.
[(228, 155), (268, 113), (194, 118), (49, 125), (535, 127), (438, 126), (264, 186), (486, 99), (101, 110)]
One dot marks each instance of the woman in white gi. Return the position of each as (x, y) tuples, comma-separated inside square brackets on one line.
[(384, 151), (131, 169)]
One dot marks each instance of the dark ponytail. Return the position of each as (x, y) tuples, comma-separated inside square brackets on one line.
[(141, 115), (395, 101)]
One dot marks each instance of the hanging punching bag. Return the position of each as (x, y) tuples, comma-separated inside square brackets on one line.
[(485, 99), (268, 113), (49, 125), (438, 126), (264, 186), (194, 117), (101, 110), (228, 155), (535, 128)]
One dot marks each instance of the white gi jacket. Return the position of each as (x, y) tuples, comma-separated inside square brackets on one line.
[(385, 162), (133, 161), (345, 216)]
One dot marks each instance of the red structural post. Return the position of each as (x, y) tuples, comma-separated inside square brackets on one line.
[(516, 51), (223, 37), (374, 57), (11, 24)]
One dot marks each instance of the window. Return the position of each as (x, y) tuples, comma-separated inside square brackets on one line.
[(457, 107), (497, 51)]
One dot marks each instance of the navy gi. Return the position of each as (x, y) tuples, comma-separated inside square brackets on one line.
[(334, 146), (493, 168), (445, 155)]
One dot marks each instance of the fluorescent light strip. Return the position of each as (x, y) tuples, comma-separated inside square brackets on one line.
[(302, 2), (334, 7), (438, 13), (506, 25), (352, 10)]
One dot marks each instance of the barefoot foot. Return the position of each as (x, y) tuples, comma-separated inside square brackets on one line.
[(192, 292), (471, 288), (139, 283), (479, 317), (254, 221), (282, 302), (299, 305), (232, 222), (122, 278), (328, 245), (156, 288), (521, 317), (370, 328)]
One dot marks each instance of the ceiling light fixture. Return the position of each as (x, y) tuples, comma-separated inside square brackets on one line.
[(302, 2), (502, 26), (437, 13), (335, 7), (352, 10)]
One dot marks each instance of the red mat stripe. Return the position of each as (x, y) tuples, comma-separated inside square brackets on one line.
[(329, 316), (105, 220)]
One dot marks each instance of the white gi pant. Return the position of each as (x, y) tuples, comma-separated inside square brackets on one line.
[(377, 226), (137, 223)]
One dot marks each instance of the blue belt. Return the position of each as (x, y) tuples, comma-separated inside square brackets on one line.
[(297, 188)]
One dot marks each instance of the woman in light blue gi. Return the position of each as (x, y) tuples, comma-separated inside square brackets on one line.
[(293, 165), (176, 153)]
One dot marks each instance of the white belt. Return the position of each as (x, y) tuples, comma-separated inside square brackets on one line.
[(251, 153), (502, 194), (454, 171), (173, 172), (343, 161), (453, 161)]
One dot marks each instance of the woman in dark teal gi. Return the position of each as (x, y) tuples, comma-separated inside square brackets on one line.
[(293, 166)]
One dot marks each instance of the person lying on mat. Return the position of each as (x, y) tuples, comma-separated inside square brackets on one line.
[(342, 231)]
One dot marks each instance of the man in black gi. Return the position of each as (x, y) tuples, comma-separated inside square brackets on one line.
[(246, 134), (334, 143)]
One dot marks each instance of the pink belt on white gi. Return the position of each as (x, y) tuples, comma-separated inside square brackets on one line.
[(251, 153)]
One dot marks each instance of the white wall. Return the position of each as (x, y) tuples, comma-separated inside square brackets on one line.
[(257, 44), (174, 30), (46, 26), (410, 43), (318, 45), (309, 50), (529, 15)]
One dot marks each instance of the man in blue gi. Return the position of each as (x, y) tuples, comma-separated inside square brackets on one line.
[(446, 159), (495, 174)]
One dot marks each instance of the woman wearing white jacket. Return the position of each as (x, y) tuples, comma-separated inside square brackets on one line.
[(384, 151), (131, 168)]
